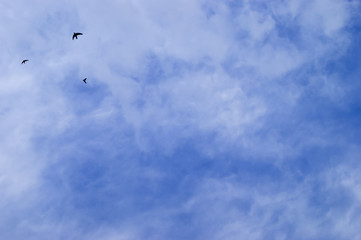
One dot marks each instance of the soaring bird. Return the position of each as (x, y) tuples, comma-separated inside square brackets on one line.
[(24, 61), (75, 35), (84, 80)]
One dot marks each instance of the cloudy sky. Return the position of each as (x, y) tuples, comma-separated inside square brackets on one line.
[(201, 119)]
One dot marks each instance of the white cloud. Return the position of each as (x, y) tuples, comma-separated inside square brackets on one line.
[(221, 70)]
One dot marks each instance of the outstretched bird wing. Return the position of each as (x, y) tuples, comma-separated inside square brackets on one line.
[(75, 35)]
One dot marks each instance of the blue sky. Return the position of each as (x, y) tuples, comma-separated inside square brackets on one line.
[(214, 119)]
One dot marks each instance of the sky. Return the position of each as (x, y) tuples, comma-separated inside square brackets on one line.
[(200, 119)]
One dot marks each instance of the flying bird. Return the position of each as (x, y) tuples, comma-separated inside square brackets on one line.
[(24, 61), (84, 80), (75, 35)]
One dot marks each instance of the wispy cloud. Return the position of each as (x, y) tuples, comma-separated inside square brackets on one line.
[(200, 120)]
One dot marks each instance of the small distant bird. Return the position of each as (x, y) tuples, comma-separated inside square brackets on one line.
[(24, 61), (84, 80), (75, 35)]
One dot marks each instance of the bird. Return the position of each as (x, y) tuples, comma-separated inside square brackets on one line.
[(84, 80), (24, 61), (75, 35)]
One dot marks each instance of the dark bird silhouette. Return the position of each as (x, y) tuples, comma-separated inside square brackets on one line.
[(24, 61), (75, 35), (84, 80)]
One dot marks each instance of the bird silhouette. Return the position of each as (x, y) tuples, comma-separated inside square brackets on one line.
[(24, 61), (75, 35), (84, 80)]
